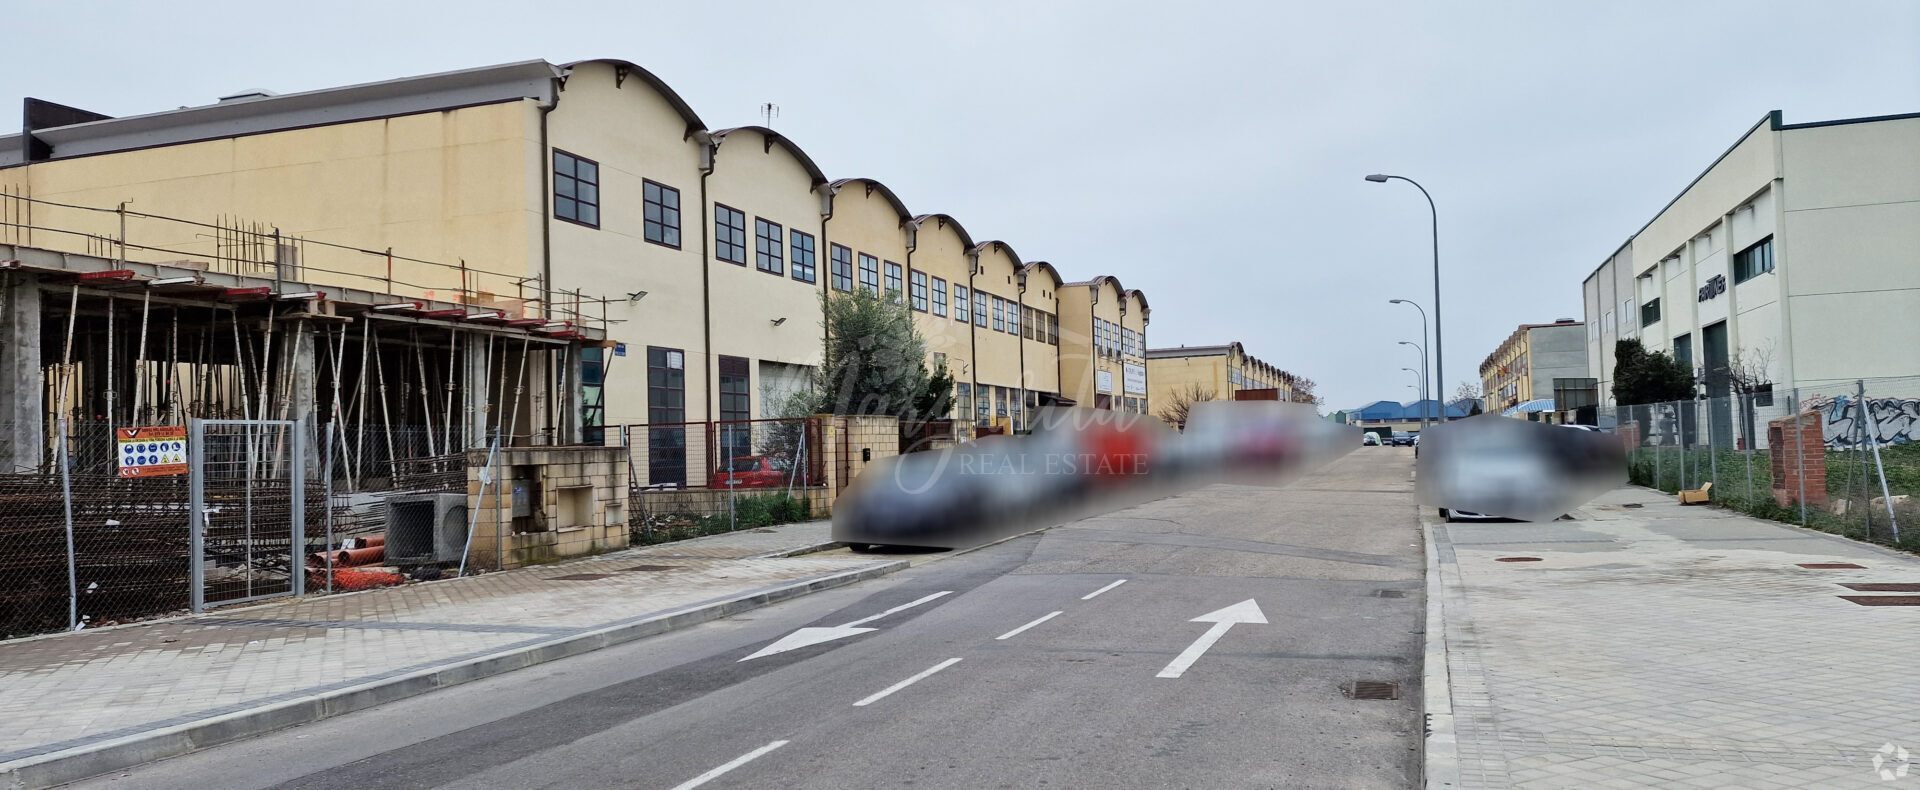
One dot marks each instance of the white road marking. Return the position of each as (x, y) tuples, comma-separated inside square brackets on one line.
[(901, 608), (1223, 620), (812, 636), (732, 764), (1016, 632), (905, 683), (1089, 596)]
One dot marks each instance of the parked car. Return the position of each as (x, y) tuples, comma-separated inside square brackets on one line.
[(1369, 440), (752, 471), (1401, 440)]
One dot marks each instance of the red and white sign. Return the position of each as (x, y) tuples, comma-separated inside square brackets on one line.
[(152, 451)]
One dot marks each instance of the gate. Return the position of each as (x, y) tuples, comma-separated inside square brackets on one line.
[(248, 508)]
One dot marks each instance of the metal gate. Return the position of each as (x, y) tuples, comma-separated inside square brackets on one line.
[(248, 506)]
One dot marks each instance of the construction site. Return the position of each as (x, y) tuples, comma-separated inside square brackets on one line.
[(191, 427)]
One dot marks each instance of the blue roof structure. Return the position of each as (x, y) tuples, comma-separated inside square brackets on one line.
[(1388, 411), (1529, 407)]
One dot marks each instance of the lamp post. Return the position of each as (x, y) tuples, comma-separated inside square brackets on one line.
[(1422, 346), (1439, 362), (1422, 373)]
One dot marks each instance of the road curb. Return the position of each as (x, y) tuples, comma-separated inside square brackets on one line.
[(94, 759), (811, 548), (1440, 763)]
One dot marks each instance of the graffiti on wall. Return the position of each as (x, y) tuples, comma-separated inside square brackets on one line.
[(1888, 420)]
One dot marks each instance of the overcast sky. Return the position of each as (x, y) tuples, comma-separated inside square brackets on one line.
[(1210, 154)]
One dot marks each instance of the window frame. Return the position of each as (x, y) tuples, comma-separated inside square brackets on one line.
[(894, 283), (803, 258), (646, 204), (962, 304), (840, 267), (939, 298), (917, 290), (1013, 318), (870, 286), (999, 314), (722, 245), (573, 176), (1651, 306), (1746, 256), (979, 308), (763, 242)]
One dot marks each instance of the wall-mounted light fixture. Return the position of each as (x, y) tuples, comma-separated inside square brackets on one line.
[(636, 296), (779, 321)]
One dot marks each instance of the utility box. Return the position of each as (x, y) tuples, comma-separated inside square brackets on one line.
[(423, 529)]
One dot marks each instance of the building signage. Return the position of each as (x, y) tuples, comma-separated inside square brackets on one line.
[(1716, 285), (1103, 381), (1134, 378), (152, 451)]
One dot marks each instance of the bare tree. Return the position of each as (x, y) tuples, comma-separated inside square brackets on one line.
[(1749, 375), (1469, 391), (1180, 404)]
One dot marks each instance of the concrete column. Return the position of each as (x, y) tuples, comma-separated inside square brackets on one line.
[(22, 407), (476, 390)]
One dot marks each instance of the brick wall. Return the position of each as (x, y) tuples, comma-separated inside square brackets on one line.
[(1798, 453)]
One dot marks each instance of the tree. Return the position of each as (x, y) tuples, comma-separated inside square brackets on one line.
[(1641, 376), (936, 400), (1302, 389), (1180, 405), (1471, 392), (874, 360)]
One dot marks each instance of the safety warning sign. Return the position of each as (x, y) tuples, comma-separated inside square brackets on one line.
[(152, 451)]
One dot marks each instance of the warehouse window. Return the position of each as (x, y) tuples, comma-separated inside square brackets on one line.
[(961, 311), (729, 234), (1650, 312), (869, 273), (768, 243), (979, 309), (1053, 329), (576, 189), (840, 270), (893, 282), (802, 256), (1753, 261), (999, 314), (1013, 318), (917, 293), (940, 297), (661, 209)]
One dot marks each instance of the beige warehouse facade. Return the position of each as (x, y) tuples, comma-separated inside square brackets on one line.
[(1792, 254), (587, 188), (1216, 372)]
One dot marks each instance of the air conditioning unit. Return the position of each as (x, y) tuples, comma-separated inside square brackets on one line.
[(426, 528)]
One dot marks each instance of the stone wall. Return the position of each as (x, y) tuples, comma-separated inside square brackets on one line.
[(573, 503)]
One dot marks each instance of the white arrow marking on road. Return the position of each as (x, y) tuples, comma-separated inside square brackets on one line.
[(1223, 620), (813, 636)]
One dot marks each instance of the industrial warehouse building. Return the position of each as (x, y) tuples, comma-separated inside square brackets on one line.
[(1791, 258), (590, 189), (1521, 376), (1219, 372)]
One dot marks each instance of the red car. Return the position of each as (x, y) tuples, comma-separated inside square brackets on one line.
[(752, 471)]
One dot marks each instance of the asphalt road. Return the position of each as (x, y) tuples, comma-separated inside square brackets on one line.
[(948, 690)]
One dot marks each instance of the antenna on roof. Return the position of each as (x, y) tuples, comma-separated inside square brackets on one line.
[(768, 112)]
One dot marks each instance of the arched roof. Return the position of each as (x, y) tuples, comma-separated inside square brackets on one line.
[(1008, 248), (966, 239), (1104, 279), (872, 186), (1057, 279), (772, 137), (626, 68), (1141, 295)]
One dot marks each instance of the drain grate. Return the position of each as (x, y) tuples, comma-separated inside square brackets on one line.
[(1884, 600), (1517, 559), (1371, 689), (1389, 593), (1884, 587), (579, 577), (648, 568), (1828, 566)]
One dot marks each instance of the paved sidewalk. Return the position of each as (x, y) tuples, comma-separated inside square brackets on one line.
[(71, 694), (1653, 645)]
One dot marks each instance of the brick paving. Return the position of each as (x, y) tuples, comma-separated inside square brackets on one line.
[(72, 690), (1662, 646)]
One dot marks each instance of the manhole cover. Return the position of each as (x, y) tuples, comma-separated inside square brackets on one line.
[(649, 568), (1389, 593), (1827, 566), (579, 577), (1884, 587), (1517, 559), (1884, 600), (1371, 689)]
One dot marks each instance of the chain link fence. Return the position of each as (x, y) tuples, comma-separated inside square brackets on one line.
[(1842, 457), (701, 478)]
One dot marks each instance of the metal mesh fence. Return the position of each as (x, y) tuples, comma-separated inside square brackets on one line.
[(1842, 457), (701, 478)]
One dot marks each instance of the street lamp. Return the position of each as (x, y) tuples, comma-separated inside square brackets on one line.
[(1439, 362), (1422, 373), (1422, 347)]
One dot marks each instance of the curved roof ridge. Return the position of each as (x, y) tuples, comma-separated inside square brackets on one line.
[(813, 170), (899, 206), (966, 239), (694, 124)]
